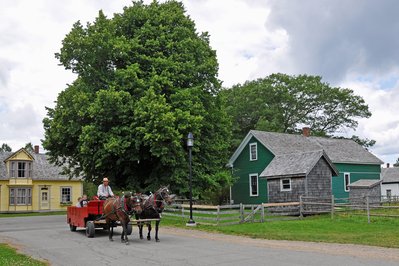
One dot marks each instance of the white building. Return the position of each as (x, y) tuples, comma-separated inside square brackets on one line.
[(390, 182)]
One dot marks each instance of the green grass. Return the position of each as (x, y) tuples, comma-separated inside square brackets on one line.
[(9, 257), (345, 229)]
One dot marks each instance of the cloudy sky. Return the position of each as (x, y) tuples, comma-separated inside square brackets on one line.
[(350, 43)]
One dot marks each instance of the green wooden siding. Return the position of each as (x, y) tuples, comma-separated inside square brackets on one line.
[(356, 171), (243, 167)]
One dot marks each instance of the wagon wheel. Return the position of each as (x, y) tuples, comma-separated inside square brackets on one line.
[(129, 229), (72, 227), (90, 229)]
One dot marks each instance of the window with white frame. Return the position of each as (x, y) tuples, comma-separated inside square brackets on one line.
[(285, 184), (21, 169), (347, 181), (20, 196), (66, 193), (253, 185), (253, 151)]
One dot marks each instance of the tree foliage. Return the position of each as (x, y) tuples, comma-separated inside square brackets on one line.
[(282, 103), (145, 79), (5, 148), (29, 147)]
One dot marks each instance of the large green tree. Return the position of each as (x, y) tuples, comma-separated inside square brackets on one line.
[(145, 78), (282, 103)]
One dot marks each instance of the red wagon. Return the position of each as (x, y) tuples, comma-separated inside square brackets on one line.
[(89, 218)]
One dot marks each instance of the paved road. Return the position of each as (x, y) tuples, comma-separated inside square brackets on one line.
[(48, 238)]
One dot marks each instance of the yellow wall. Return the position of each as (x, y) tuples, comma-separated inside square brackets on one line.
[(54, 192)]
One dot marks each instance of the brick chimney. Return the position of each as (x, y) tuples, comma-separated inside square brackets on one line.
[(306, 131), (37, 149)]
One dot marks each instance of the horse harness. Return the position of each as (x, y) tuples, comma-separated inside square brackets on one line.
[(114, 209)]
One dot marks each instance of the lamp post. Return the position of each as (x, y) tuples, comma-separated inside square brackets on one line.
[(190, 144)]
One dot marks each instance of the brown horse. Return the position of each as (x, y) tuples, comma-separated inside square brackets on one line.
[(152, 208), (120, 209)]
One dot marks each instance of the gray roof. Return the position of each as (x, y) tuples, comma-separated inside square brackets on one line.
[(281, 143), (294, 164), (346, 151), (365, 183), (338, 150), (42, 168), (390, 175)]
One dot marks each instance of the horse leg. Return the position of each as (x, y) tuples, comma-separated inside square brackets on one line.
[(124, 233), (149, 231), (140, 226), (111, 230), (156, 230)]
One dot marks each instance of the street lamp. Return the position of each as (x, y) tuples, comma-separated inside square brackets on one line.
[(190, 144)]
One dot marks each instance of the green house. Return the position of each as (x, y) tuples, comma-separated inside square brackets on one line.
[(279, 167)]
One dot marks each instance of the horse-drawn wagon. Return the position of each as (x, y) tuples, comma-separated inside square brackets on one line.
[(90, 217), (117, 212)]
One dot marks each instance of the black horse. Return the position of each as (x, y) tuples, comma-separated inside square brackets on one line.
[(119, 209), (152, 207)]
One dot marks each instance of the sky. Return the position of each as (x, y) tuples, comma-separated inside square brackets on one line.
[(349, 43)]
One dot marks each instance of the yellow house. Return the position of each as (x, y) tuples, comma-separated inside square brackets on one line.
[(30, 183)]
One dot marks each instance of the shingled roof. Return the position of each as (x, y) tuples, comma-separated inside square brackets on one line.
[(42, 168), (338, 150), (295, 164), (365, 183), (390, 175), (346, 151)]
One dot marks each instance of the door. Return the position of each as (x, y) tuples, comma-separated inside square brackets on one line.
[(44, 198)]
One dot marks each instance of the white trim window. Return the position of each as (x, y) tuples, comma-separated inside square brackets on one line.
[(253, 185), (347, 181), (253, 151), (66, 193), (20, 169), (285, 184), (20, 196)]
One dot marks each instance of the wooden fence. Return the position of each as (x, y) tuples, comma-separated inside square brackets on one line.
[(368, 206), (243, 213), (234, 214)]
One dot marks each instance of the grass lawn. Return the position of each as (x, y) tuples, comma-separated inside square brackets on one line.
[(345, 229), (9, 257)]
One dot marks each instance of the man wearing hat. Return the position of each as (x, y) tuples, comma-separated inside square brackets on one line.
[(104, 190)]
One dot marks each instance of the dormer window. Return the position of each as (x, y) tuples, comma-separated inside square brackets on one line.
[(253, 151), (20, 169)]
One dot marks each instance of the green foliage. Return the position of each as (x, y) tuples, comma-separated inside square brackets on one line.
[(145, 79), (282, 103), (29, 147), (89, 188), (5, 147)]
